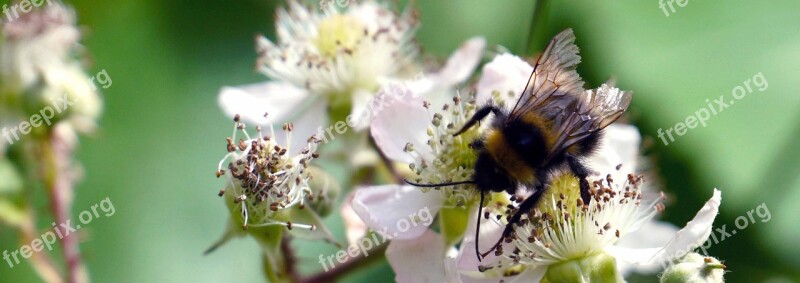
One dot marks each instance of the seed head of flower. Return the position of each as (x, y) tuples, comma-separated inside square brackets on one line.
[(264, 182)]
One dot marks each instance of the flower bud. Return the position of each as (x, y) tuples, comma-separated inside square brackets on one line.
[(326, 191), (694, 268)]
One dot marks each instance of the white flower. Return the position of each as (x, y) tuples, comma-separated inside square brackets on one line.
[(333, 52), (406, 123), (573, 235), (38, 68), (327, 60), (36, 42), (402, 130)]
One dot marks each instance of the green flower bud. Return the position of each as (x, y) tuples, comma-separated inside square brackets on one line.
[(326, 191), (694, 268)]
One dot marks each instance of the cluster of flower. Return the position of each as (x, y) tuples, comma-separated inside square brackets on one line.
[(46, 100), (336, 62)]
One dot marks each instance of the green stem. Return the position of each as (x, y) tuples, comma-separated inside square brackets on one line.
[(271, 239), (42, 263), (536, 34), (269, 270)]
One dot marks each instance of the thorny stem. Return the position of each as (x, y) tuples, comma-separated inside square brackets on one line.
[(351, 264), (58, 181)]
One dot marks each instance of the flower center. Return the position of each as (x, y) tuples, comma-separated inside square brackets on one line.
[(338, 32), (564, 187), (452, 160), (265, 179), (564, 228)]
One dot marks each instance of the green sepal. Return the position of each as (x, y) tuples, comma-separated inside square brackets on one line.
[(453, 224)]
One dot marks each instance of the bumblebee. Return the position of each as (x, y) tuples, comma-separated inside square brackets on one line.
[(554, 124)]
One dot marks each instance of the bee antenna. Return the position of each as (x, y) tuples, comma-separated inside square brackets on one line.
[(438, 185)]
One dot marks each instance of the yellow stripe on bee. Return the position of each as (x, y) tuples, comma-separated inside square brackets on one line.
[(507, 158)]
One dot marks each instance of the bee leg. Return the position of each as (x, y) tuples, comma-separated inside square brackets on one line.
[(581, 172), (479, 115), (523, 209)]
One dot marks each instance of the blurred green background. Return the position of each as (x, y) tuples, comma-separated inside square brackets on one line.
[(163, 134)]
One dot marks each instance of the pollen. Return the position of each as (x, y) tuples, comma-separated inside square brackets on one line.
[(453, 159), (563, 228)]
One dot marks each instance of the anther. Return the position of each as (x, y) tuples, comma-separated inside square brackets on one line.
[(242, 145)]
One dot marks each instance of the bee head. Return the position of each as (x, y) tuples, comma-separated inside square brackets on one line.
[(491, 177)]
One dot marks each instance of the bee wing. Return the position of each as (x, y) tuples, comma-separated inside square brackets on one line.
[(596, 110), (554, 83)]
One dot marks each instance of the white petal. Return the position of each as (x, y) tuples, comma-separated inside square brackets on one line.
[(462, 63), (696, 231), (361, 110), (620, 145), (451, 266), (467, 261), (491, 230), (686, 240), (505, 73), (399, 212), (281, 100), (418, 260), (650, 234), (306, 125), (284, 103), (401, 121)]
